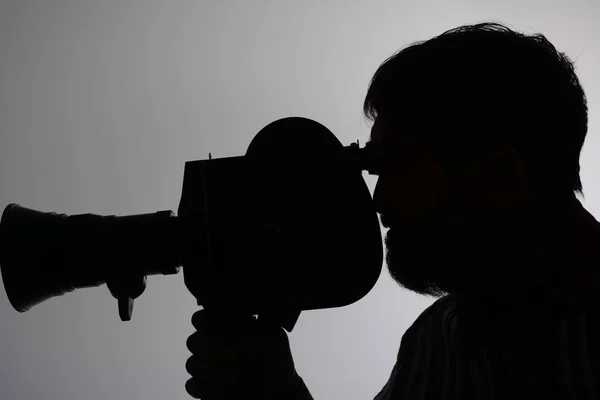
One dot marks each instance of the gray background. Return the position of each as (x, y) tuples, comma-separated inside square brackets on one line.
[(102, 102)]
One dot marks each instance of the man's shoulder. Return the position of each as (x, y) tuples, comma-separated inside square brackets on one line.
[(427, 345), (438, 323), (442, 309), (440, 306)]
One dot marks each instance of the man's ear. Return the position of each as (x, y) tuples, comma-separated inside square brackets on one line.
[(508, 174), (509, 169), (498, 179)]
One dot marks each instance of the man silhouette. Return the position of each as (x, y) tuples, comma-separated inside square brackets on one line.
[(479, 132)]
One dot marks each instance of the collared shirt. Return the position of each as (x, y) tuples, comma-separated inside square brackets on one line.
[(461, 349)]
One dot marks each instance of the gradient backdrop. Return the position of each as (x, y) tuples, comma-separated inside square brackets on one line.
[(102, 102)]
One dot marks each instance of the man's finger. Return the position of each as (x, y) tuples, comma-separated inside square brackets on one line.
[(201, 321), (216, 375), (216, 350), (200, 390)]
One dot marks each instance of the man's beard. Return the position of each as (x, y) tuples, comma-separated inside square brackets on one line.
[(433, 258)]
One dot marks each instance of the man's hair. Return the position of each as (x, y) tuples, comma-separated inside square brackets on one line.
[(482, 86)]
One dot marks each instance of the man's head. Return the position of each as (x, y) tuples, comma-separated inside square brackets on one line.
[(479, 131)]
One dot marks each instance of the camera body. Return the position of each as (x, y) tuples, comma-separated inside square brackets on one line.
[(288, 227)]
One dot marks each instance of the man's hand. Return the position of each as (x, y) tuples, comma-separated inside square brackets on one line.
[(242, 360)]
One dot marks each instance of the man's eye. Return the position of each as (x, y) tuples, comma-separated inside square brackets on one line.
[(397, 165), (384, 167), (392, 162)]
